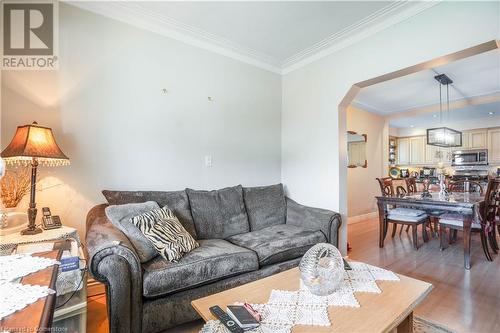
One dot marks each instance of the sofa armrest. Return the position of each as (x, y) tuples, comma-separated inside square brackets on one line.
[(311, 218), (114, 262)]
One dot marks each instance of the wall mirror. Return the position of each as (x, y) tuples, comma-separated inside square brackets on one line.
[(356, 150)]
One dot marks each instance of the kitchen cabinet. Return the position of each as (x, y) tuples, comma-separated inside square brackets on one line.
[(417, 150), (434, 155), (403, 151), (475, 139), (494, 146)]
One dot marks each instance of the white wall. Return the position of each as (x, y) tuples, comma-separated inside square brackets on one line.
[(110, 117), (313, 161), (361, 184)]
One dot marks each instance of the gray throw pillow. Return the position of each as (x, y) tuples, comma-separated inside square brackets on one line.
[(220, 213), (177, 201), (121, 217), (266, 206), (166, 233)]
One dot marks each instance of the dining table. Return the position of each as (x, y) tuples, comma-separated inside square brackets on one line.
[(434, 204)]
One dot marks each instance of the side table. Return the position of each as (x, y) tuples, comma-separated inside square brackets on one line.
[(70, 314)]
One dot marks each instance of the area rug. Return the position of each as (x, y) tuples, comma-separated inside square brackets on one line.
[(425, 326), (419, 326)]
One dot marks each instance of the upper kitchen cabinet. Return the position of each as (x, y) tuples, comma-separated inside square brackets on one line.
[(411, 150), (403, 151), (417, 150), (434, 155), (475, 139), (494, 146)]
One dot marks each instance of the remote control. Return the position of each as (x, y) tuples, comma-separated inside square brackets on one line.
[(225, 319), (347, 267)]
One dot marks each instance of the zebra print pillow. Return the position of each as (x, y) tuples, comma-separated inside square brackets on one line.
[(166, 233)]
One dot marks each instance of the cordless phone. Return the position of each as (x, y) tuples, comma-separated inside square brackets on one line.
[(49, 221)]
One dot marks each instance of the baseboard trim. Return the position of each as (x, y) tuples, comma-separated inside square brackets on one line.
[(360, 218)]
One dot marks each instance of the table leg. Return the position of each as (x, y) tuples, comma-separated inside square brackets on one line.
[(406, 325), (381, 221), (467, 234)]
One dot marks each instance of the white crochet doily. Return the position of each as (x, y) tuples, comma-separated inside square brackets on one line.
[(286, 309), (16, 296), (18, 265)]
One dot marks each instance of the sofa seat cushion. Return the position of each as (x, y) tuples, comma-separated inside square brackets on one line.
[(213, 260), (278, 243)]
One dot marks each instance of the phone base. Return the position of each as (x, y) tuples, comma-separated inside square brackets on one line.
[(31, 231)]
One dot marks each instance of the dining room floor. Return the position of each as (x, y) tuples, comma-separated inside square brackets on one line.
[(463, 301)]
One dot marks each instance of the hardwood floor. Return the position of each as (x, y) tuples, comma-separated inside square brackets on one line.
[(464, 301)]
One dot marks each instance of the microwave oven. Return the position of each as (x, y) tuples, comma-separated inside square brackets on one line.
[(470, 157)]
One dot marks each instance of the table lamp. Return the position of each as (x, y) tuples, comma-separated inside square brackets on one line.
[(33, 145)]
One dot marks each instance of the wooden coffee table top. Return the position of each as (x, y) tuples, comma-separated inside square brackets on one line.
[(378, 312)]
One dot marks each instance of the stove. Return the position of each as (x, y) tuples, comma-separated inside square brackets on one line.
[(476, 173)]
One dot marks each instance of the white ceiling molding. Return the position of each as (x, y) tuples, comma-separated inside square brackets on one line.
[(456, 103), (378, 21), (133, 14)]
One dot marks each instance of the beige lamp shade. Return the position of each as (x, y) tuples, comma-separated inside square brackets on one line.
[(33, 141)]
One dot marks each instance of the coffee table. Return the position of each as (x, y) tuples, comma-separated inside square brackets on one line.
[(391, 310)]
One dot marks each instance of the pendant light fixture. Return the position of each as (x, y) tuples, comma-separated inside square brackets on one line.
[(444, 136)]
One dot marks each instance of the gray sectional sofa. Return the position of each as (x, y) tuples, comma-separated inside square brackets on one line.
[(244, 234)]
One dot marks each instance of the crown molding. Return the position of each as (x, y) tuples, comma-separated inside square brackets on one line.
[(386, 17), (134, 14)]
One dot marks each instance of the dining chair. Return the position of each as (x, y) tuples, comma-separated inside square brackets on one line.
[(491, 212), (485, 221), (459, 186), (402, 216)]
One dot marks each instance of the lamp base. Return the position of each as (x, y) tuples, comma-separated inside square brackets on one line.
[(31, 231)]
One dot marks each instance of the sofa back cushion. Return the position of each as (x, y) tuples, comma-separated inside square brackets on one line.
[(121, 217), (265, 205), (177, 201), (220, 213)]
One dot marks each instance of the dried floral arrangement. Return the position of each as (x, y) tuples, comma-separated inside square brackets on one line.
[(15, 185)]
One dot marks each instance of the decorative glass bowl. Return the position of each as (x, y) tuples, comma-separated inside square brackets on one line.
[(322, 269)]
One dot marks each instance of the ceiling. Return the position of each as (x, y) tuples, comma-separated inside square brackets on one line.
[(273, 35), (490, 111), (474, 78)]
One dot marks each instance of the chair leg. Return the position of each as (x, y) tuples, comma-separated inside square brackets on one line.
[(435, 221), (394, 228), (429, 223), (494, 239), (407, 228), (415, 236), (453, 236), (442, 237), (425, 236), (493, 242), (386, 226), (401, 230), (484, 243)]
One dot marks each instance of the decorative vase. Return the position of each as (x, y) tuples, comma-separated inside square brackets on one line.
[(12, 220), (322, 269)]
